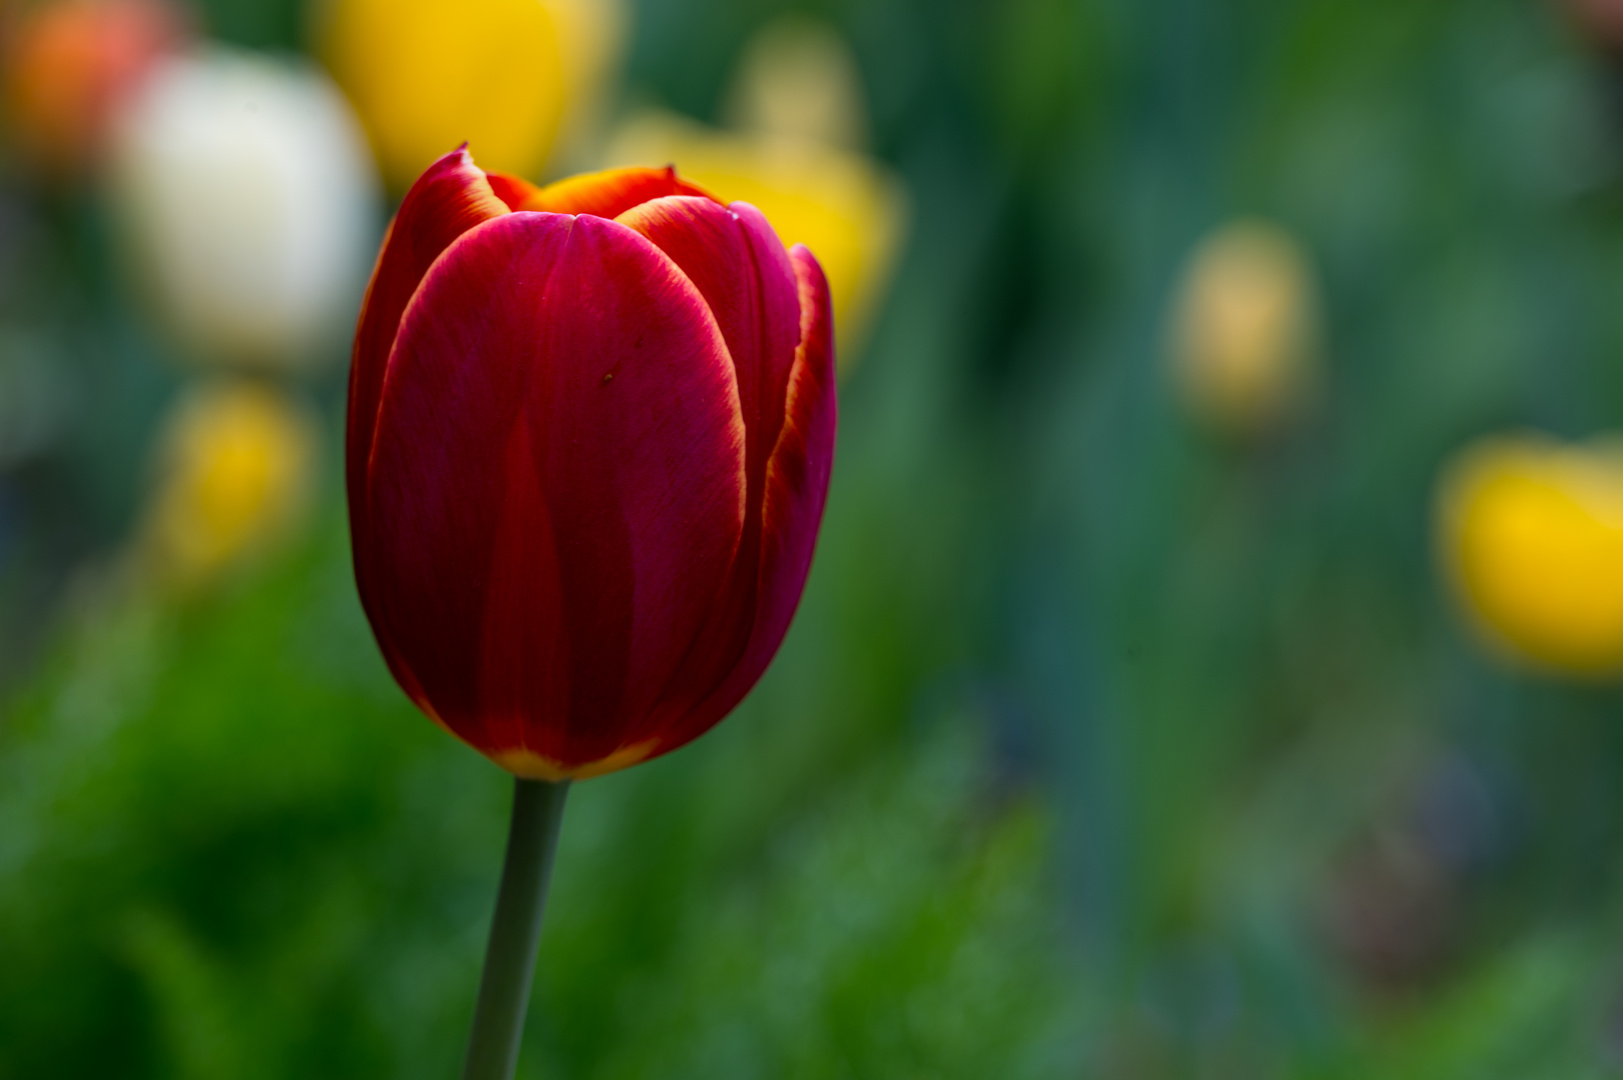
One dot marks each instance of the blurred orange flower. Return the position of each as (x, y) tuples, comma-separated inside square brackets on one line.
[(1601, 19), (72, 65)]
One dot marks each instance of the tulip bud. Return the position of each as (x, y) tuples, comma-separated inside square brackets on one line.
[(1530, 534), (72, 65), (234, 470), (506, 76), (583, 503), (1244, 328), (248, 201), (798, 80)]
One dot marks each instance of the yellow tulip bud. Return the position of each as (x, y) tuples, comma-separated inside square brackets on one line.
[(797, 108), (1530, 531), (506, 76), (1244, 333), (234, 472), (848, 209), (798, 80)]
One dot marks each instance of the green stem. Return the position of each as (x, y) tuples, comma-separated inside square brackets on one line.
[(504, 990)]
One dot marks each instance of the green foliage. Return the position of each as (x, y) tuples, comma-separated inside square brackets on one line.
[(1102, 745), (232, 840)]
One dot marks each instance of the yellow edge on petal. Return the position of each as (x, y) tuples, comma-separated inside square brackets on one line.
[(532, 766), (850, 210)]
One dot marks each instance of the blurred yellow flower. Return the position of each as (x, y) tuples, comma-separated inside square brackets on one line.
[(506, 76), (800, 105), (1531, 533), (1245, 330), (798, 80), (234, 470)]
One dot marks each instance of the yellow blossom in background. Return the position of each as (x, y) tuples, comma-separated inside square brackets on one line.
[(1530, 531), (798, 80), (234, 472), (1245, 331), (507, 76), (797, 93)]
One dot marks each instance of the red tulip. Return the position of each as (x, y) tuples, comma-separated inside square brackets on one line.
[(590, 434)]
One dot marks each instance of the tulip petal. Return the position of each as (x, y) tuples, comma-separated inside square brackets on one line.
[(450, 198), (743, 272), (797, 479), (610, 193), (741, 269), (556, 486), (512, 190)]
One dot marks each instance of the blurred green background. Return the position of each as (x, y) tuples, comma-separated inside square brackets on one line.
[(1105, 744)]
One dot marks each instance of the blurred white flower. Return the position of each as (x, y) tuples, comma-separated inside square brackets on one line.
[(249, 202)]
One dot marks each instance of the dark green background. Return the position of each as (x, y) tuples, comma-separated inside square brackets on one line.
[(1100, 748)]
